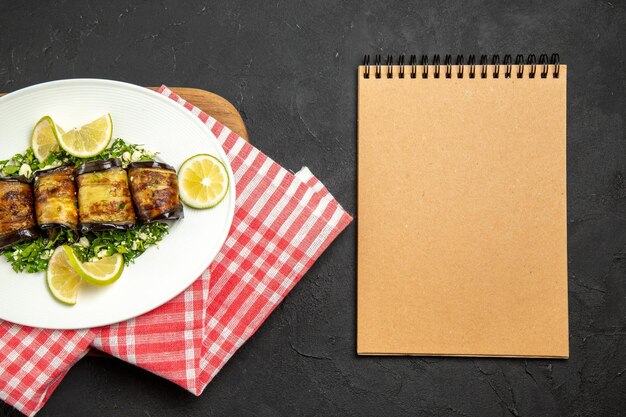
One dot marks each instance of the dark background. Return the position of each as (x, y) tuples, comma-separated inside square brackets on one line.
[(290, 69)]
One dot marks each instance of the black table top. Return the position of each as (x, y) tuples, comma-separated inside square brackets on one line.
[(290, 69)]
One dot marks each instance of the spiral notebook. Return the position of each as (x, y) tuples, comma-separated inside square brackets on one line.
[(462, 231)]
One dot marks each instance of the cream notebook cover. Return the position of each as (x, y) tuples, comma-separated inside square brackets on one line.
[(462, 230)]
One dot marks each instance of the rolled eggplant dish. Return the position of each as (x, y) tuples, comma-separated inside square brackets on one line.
[(17, 217), (55, 200), (104, 200), (154, 189)]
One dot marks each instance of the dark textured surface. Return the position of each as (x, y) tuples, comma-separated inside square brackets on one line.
[(290, 70)]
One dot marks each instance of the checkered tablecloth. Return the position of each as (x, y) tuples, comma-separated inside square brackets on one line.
[(283, 222)]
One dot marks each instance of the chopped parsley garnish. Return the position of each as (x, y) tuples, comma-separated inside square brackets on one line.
[(33, 256)]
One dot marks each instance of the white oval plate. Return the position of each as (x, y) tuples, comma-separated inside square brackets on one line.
[(139, 116)]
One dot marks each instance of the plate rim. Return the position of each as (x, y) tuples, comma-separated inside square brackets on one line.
[(190, 116)]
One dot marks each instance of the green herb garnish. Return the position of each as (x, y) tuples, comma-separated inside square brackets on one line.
[(33, 256)]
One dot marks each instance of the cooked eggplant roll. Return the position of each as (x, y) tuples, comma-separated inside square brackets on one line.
[(17, 217), (154, 188), (55, 199), (103, 196)]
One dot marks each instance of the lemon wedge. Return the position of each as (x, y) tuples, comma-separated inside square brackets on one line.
[(44, 139), (63, 281), (88, 140), (102, 272)]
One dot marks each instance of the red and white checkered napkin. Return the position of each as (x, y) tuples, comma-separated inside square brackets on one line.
[(283, 222)]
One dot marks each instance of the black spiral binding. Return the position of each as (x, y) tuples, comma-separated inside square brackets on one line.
[(448, 63), (460, 65), (495, 61), (471, 61), (543, 66), (519, 61), (483, 64)]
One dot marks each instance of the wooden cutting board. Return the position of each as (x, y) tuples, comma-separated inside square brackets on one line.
[(217, 106)]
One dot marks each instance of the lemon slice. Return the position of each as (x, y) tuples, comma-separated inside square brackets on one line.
[(63, 281), (203, 181), (88, 140), (102, 272), (44, 139)]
